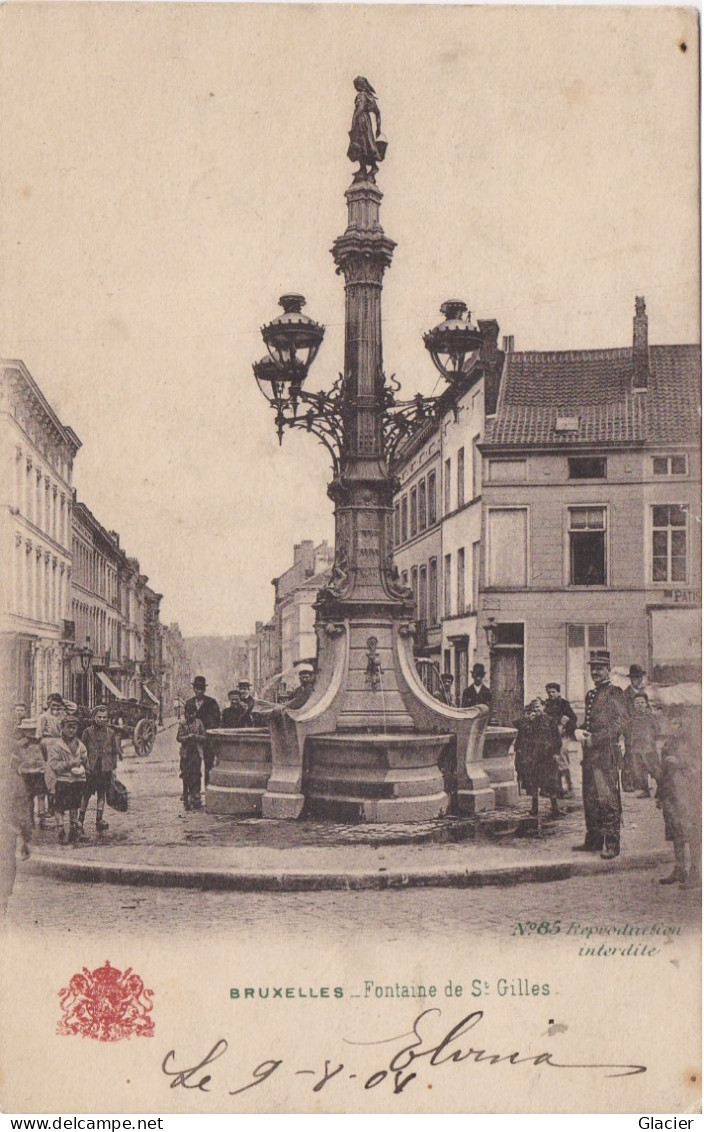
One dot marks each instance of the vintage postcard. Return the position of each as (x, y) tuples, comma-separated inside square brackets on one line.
[(397, 306)]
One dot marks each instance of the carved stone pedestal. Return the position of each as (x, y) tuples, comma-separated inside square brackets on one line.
[(241, 771), (499, 765)]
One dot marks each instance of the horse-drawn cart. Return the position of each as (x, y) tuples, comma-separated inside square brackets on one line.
[(135, 722)]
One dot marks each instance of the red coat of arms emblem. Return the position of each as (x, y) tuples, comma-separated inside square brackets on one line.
[(107, 1005)]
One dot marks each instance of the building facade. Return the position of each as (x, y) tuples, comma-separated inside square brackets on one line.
[(176, 680), (296, 592), (117, 632), (38, 452), (438, 519), (592, 518), (96, 612)]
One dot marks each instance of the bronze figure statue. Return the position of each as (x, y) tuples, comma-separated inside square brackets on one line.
[(367, 146)]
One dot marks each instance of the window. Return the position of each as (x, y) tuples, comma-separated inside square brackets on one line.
[(397, 524), (460, 477), (432, 499), (414, 512), (587, 546), (507, 471), (422, 603), (404, 518), (670, 465), (414, 585), (460, 581), (507, 563), (433, 591), (422, 506), (448, 486), (476, 468), (586, 467), (669, 543), (404, 577), (476, 560), (448, 586)]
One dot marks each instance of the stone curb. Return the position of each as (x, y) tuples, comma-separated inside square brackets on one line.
[(315, 880)]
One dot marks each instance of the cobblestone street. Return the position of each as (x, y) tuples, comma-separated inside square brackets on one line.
[(387, 916), (156, 820)]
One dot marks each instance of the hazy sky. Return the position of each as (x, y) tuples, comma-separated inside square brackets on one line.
[(169, 170)]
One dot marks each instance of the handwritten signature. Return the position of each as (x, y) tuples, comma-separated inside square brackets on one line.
[(401, 1068)]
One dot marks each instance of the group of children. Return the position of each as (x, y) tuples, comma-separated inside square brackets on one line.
[(666, 749), (52, 772)]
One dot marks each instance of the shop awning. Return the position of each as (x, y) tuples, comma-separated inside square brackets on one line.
[(150, 694), (109, 685)]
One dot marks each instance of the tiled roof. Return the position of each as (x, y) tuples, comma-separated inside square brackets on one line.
[(595, 386)]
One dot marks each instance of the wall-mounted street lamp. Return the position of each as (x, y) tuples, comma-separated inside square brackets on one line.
[(85, 655), (490, 630)]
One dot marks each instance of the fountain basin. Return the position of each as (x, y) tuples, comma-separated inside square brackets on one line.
[(241, 772), (375, 777)]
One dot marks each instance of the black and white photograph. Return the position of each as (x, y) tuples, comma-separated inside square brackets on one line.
[(350, 531)]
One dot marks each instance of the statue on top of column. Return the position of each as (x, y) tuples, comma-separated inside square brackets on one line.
[(367, 146)]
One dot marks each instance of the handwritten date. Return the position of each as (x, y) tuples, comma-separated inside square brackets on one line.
[(413, 1051)]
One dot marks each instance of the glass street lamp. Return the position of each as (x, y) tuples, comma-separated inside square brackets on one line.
[(293, 339), (490, 630), (455, 343), (85, 655)]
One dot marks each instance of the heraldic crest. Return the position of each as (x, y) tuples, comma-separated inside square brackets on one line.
[(106, 1004)]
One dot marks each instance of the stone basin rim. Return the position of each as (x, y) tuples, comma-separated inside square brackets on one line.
[(382, 737)]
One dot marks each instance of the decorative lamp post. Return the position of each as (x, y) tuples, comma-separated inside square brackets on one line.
[(372, 735)]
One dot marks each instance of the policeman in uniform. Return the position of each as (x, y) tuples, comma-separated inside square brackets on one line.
[(605, 717)]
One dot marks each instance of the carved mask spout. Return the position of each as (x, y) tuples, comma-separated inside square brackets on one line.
[(374, 669)]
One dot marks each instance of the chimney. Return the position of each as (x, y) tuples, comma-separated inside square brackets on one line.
[(640, 345), (507, 345)]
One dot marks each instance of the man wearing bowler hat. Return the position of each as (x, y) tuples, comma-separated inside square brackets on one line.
[(208, 711), (605, 717), (477, 692)]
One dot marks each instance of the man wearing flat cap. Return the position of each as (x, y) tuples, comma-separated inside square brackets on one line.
[(208, 712), (306, 684), (235, 713), (605, 718), (282, 729)]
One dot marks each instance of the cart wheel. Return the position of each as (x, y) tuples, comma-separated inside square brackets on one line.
[(144, 736)]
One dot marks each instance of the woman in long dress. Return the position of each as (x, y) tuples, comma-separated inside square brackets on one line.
[(364, 146)]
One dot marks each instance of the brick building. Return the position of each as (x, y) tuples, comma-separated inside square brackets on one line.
[(591, 517)]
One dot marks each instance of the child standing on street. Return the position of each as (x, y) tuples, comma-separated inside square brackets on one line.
[(65, 776), (641, 752), (679, 793), (191, 737)]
